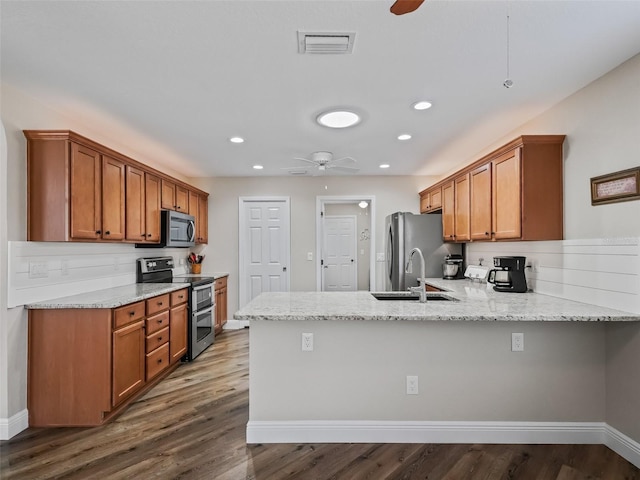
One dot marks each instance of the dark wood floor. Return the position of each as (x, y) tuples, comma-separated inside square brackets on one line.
[(192, 426)]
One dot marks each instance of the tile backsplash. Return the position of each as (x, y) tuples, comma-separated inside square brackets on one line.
[(44, 270), (600, 271)]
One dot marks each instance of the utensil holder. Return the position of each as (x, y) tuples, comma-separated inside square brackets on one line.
[(196, 268)]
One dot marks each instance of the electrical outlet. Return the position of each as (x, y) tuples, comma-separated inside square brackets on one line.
[(517, 342), (412, 385), (307, 342), (310, 256), (380, 257), (38, 270), (181, 261)]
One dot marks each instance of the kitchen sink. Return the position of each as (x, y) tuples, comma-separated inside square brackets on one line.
[(408, 296)]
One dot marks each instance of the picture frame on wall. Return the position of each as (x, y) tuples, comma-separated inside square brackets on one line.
[(622, 186)]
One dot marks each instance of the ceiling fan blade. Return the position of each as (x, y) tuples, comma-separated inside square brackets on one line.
[(296, 170), (306, 160), (343, 169), (345, 159), (400, 7)]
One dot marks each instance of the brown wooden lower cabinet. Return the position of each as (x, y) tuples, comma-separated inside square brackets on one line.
[(220, 287), (86, 365)]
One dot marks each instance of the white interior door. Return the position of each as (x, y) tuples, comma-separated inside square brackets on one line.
[(264, 247), (340, 271)]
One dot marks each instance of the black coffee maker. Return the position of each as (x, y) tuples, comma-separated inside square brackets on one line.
[(509, 276)]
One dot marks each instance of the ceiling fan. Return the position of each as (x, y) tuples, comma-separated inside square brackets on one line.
[(324, 163), (400, 7)]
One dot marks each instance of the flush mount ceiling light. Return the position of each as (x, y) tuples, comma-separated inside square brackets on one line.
[(384, 165), (404, 136), (338, 119), (236, 140), (363, 204), (258, 167), (422, 105)]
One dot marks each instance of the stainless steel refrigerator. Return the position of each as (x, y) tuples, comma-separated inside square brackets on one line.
[(404, 231)]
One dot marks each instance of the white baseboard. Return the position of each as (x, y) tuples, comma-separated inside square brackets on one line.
[(624, 446), (10, 427), (235, 324), (444, 432), (424, 432)]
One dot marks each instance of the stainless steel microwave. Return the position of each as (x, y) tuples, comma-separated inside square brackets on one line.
[(176, 230)]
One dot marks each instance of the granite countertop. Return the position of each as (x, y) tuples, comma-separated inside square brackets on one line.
[(474, 302), (118, 296), (109, 297)]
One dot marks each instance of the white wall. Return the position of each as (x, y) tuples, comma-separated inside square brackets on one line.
[(4, 350), (391, 193)]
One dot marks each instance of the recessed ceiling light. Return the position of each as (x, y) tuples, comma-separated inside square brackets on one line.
[(422, 105), (338, 119), (363, 204), (384, 165), (236, 140), (258, 167), (404, 136)]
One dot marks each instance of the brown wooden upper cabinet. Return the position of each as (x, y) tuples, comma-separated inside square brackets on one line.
[(113, 198), (174, 197), (448, 211), (431, 200), (513, 193), (480, 202), (461, 209), (143, 206), (79, 190)]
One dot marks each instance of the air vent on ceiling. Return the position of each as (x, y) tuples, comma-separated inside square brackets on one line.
[(332, 43)]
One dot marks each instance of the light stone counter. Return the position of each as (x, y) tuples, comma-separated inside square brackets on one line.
[(474, 302), (109, 297)]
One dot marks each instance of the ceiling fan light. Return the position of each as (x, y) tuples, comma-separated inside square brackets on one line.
[(338, 119), (385, 165), (404, 136), (258, 167), (422, 105), (236, 140)]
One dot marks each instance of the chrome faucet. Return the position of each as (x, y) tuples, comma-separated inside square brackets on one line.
[(421, 288)]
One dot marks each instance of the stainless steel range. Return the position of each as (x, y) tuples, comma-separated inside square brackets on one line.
[(202, 305)]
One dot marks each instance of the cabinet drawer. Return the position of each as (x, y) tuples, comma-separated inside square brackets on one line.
[(127, 314), (157, 361), (220, 282), (179, 297), (156, 339), (157, 322), (157, 304)]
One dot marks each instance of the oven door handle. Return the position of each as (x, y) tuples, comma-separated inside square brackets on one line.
[(202, 287), (207, 310)]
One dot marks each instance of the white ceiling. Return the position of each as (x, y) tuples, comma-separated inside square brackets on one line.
[(187, 75)]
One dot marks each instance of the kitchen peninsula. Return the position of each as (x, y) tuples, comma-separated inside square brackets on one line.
[(352, 387)]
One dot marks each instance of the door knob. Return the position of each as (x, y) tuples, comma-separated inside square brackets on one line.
[(284, 269)]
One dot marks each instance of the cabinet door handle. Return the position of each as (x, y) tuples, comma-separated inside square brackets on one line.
[(159, 339), (159, 360), (486, 233), (132, 313), (160, 321), (159, 304), (107, 232), (143, 235), (98, 232)]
